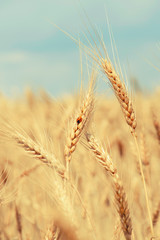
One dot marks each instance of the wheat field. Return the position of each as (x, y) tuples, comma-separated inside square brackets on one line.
[(81, 167)]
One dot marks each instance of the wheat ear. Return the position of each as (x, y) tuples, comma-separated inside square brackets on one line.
[(37, 152), (79, 122), (106, 162), (120, 92)]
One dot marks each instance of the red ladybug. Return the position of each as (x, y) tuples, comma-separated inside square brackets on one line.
[(79, 120)]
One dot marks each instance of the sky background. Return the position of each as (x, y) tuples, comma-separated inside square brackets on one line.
[(33, 52)]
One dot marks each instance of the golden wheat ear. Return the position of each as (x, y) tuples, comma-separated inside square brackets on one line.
[(105, 160), (79, 121), (32, 148), (120, 92)]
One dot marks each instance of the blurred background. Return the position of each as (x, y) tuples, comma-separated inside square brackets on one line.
[(34, 53)]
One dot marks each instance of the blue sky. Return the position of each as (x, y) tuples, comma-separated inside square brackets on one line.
[(34, 53)]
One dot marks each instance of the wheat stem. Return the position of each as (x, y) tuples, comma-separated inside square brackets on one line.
[(144, 185)]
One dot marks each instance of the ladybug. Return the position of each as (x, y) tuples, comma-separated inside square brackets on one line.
[(79, 120)]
